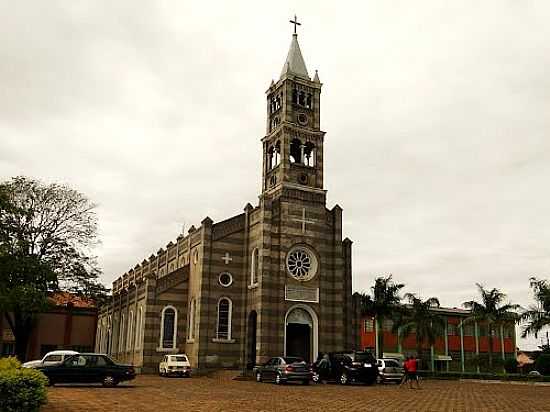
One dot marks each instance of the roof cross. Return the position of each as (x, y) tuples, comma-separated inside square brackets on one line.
[(295, 22)]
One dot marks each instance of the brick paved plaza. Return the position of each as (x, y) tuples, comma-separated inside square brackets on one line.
[(221, 393)]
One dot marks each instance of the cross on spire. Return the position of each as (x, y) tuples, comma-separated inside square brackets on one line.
[(295, 22)]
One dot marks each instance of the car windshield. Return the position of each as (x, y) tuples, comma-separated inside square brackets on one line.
[(53, 358), (289, 360), (178, 358), (391, 363)]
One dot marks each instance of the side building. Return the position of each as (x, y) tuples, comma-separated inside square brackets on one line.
[(461, 348), (68, 323), (273, 280)]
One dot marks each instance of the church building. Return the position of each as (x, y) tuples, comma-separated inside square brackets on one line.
[(274, 280)]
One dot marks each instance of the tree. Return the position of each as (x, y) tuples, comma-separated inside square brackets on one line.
[(47, 233), (492, 311), (383, 304), (420, 318), (537, 316)]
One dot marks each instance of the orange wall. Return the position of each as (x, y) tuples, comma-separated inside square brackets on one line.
[(390, 342)]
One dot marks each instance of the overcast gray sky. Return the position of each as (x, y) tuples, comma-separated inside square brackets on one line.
[(437, 117)]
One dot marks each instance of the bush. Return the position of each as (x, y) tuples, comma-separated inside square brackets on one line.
[(542, 364), (21, 389)]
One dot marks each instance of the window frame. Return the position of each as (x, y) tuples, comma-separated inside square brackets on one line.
[(229, 316), (254, 267), (174, 333)]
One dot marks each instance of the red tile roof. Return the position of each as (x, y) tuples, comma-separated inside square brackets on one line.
[(67, 298)]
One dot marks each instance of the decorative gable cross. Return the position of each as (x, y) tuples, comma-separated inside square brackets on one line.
[(227, 258), (303, 220)]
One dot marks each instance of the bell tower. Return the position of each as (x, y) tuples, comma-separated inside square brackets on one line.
[(293, 145)]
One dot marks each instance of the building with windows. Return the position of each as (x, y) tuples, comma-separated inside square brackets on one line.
[(461, 348), (273, 280), (69, 323)]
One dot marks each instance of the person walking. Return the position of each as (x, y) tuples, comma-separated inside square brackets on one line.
[(412, 372), (324, 368), (406, 374)]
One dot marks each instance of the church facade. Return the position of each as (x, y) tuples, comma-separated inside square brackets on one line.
[(274, 280)]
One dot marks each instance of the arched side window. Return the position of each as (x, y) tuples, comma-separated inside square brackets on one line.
[(139, 327), (98, 338), (254, 267), (223, 325), (169, 319), (108, 349), (191, 320), (130, 331), (122, 333)]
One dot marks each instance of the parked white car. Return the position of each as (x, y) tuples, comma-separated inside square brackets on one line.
[(390, 370), (50, 358), (175, 365)]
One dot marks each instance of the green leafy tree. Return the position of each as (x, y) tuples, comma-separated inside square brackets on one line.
[(47, 233), (492, 311), (420, 319), (383, 304), (537, 316)]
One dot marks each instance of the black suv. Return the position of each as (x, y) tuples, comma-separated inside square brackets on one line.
[(346, 367)]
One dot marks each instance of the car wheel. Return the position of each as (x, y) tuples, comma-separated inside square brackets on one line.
[(315, 378), (109, 381), (278, 379), (379, 380), (258, 377), (344, 379)]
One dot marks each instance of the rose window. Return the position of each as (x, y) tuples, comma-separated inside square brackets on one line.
[(301, 263)]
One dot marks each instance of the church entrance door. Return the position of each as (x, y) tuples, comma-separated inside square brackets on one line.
[(299, 336), (252, 333)]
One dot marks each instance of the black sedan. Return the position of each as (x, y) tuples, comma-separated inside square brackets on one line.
[(284, 369), (88, 368)]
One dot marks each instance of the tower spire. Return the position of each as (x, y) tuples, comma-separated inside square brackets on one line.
[(294, 62)]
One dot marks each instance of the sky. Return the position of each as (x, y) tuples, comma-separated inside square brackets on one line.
[(437, 117)]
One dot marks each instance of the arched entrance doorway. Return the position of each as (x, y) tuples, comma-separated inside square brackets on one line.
[(301, 331), (251, 338)]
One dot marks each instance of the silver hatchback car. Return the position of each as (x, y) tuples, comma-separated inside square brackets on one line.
[(390, 370)]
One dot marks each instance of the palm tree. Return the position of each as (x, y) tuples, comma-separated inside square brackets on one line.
[(383, 304), (538, 315), (492, 311), (420, 318)]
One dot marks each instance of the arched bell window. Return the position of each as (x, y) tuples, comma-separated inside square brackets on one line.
[(274, 155), (168, 329), (223, 325), (295, 151), (309, 154)]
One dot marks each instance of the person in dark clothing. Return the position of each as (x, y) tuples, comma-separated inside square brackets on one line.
[(323, 368)]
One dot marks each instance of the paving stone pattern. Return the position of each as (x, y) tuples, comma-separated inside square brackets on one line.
[(221, 393)]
